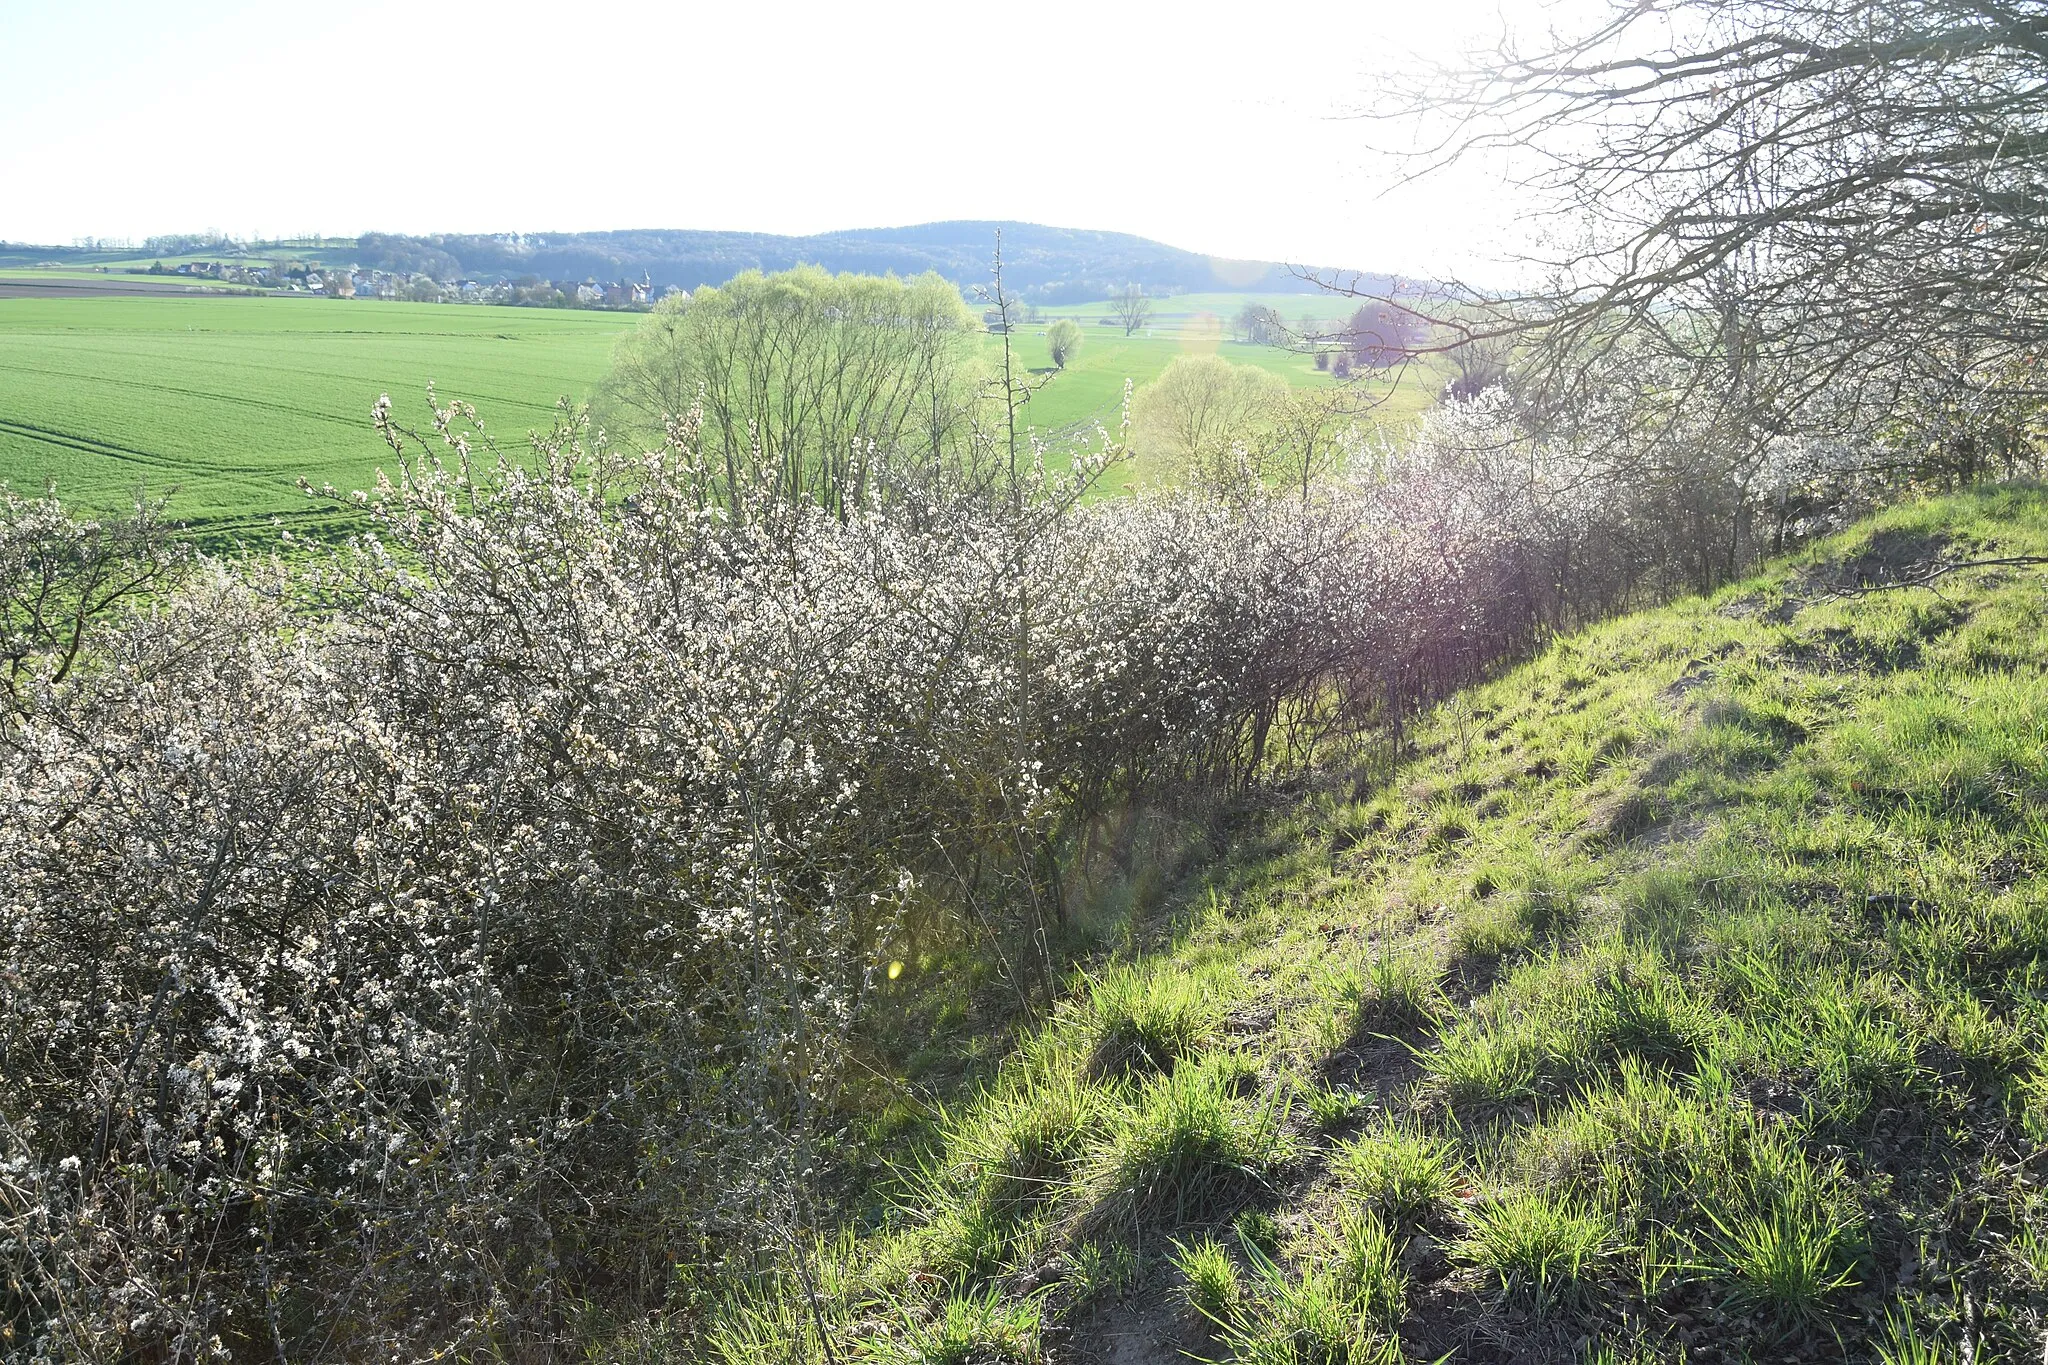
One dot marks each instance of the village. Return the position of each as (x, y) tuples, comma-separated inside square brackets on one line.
[(356, 282)]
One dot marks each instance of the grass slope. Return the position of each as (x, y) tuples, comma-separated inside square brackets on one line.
[(1681, 995)]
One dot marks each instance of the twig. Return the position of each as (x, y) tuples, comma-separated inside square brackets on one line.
[(1940, 570)]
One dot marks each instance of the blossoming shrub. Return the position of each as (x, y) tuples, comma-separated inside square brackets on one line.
[(425, 945), (1628, 493)]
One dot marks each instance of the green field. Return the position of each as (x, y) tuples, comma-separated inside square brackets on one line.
[(224, 402), (86, 282), (1091, 388), (228, 400), (1210, 314), (31, 274)]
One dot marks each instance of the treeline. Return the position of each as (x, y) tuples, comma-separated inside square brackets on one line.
[(1049, 265), (187, 244)]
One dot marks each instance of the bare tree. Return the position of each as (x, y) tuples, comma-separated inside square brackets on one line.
[(1774, 228), (1315, 429), (1383, 334), (1131, 307), (1477, 364), (1831, 190), (1260, 325)]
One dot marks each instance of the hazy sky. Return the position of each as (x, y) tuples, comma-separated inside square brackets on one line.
[(1208, 126)]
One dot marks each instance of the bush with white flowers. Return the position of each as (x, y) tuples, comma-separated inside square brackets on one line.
[(418, 947)]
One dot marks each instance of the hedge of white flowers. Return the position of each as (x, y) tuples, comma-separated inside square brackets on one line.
[(419, 946)]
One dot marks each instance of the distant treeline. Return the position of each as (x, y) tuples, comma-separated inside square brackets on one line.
[(1050, 265), (1046, 265)]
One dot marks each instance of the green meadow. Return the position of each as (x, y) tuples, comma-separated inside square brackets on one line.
[(1091, 388), (225, 402), (1212, 313)]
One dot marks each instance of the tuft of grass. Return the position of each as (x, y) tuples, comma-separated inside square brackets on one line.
[(1100, 1269), (1643, 1140), (1213, 1287), (1660, 909), (1027, 1147), (1903, 1343), (1403, 1178), (1402, 988), (1534, 1251), (1332, 1106), (1186, 1146), (775, 1318), (1787, 1233), (1632, 816), (1560, 1025), (2029, 1250), (1368, 1266), (1488, 930), (968, 1244), (1146, 1022), (1789, 1264), (1258, 1232), (973, 1329), (1320, 1317), (1519, 907)]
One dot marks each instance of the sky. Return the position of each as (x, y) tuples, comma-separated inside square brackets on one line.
[(1219, 128)]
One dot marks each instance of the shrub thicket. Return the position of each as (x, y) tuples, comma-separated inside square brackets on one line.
[(422, 944), (425, 945)]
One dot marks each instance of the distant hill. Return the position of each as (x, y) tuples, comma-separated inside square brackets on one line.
[(1051, 265), (1046, 264)]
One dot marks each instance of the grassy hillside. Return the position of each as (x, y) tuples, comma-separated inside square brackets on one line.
[(1681, 995)]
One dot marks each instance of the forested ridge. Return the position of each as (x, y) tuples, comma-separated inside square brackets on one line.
[(1047, 264)]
